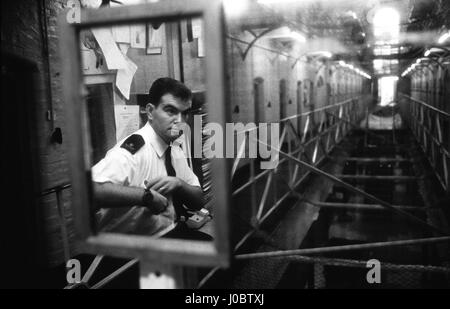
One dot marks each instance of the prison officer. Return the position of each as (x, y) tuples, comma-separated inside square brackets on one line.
[(144, 179)]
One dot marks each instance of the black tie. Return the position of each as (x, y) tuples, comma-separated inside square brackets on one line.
[(178, 205), (168, 162)]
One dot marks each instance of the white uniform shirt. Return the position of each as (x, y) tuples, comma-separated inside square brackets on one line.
[(122, 167)]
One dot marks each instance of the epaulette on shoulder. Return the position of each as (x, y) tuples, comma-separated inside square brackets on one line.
[(133, 143)]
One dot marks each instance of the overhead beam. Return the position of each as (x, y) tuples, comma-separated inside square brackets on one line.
[(379, 177), (375, 160), (364, 206)]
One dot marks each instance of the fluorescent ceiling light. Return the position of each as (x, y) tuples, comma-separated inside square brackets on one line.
[(444, 37), (326, 54), (298, 36), (386, 24), (286, 32), (276, 1), (386, 17), (322, 53), (235, 8), (434, 50)]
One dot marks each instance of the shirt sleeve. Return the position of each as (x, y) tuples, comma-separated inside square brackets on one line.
[(190, 178), (186, 174), (117, 167)]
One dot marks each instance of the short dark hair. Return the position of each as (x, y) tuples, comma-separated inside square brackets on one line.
[(166, 85)]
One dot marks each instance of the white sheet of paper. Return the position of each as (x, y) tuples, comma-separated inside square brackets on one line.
[(125, 76), (197, 28), (127, 120), (137, 36), (121, 34), (155, 37), (113, 56), (201, 47)]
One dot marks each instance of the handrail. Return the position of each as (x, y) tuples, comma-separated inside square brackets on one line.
[(429, 135), (321, 109), (55, 189), (323, 141), (305, 113), (426, 105)]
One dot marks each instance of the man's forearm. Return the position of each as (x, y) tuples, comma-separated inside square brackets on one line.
[(109, 195), (191, 196)]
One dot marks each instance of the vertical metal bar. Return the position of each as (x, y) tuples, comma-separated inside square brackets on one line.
[(276, 171), (442, 152), (445, 167), (289, 137), (305, 130), (393, 126), (327, 144), (264, 197), (239, 156), (338, 126), (253, 192), (87, 276)]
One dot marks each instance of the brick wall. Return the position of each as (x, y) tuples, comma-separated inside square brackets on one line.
[(26, 25)]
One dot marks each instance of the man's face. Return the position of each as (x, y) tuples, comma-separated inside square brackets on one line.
[(166, 117)]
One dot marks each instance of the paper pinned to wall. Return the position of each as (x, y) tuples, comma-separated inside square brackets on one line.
[(127, 120), (137, 36), (121, 34), (201, 47), (113, 56), (197, 33), (197, 28), (155, 39), (125, 77)]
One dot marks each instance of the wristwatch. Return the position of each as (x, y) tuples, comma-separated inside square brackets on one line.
[(147, 198)]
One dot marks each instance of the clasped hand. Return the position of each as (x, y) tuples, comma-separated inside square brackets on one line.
[(165, 185), (162, 187)]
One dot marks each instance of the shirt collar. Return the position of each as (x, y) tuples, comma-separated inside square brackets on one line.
[(158, 144)]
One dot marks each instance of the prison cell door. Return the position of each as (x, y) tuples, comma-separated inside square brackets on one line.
[(258, 99)]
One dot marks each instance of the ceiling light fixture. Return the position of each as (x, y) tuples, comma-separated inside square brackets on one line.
[(277, 1), (444, 37), (321, 53), (286, 32), (356, 70), (235, 8)]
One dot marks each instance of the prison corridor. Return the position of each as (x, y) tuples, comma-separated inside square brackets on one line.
[(373, 196)]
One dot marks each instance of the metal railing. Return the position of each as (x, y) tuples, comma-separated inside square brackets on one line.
[(58, 191), (309, 137), (430, 127)]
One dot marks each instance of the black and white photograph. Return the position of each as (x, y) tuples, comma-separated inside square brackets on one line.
[(225, 147)]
